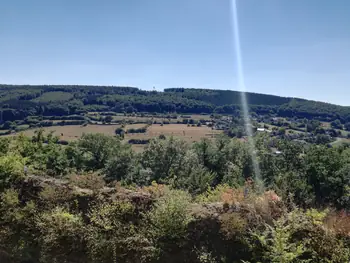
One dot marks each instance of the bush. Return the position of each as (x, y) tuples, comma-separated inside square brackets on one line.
[(61, 235), (119, 166), (138, 130), (169, 219), (18, 230), (63, 142), (138, 141), (22, 127), (11, 169), (113, 234), (90, 181)]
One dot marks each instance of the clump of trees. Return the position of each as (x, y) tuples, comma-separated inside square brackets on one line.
[(137, 130), (138, 141)]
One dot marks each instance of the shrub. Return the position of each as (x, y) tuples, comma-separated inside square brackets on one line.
[(162, 137), (91, 181), (119, 166), (278, 245), (61, 236), (221, 193), (138, 130), (18, 229), (113, 234), (170, 216), (11, 169), (138, 141), (233, 225)]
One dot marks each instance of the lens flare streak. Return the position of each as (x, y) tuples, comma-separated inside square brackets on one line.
[(242, 88)]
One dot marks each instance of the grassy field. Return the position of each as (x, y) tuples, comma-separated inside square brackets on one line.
[(74, 132), (54, 96), (182, 131), (340, 141)]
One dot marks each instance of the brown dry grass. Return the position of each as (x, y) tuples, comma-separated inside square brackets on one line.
[(74, 132), (182, 131), (339, 222)]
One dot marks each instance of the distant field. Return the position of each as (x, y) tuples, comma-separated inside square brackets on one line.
[(182, 131), (141, 119), (198, 117), (54, 96), (74, 132), (119, 117), (340, 141)]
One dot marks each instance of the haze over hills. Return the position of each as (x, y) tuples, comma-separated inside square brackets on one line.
[(19, 101)]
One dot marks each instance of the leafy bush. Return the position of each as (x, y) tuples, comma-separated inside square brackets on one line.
[(137, 130), (139, 141), (61, 235), (91, 181), (11, 169), (169, 219), (113, 235)]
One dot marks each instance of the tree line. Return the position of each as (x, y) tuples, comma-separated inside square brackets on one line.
[(21, 101)]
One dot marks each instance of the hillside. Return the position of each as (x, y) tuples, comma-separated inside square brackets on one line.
[(97, 201), (20, 101)]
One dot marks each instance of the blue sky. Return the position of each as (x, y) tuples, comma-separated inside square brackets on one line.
[(298, 48)]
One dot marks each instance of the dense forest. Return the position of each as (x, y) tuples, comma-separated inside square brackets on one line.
[(96, 200), (18, 102)]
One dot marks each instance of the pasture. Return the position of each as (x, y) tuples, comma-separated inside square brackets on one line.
[(74, 132), (54, 96)]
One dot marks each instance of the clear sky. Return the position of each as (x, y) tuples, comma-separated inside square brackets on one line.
[(298, 48)]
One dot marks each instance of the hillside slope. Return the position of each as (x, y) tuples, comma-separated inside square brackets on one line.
[(19, 101)]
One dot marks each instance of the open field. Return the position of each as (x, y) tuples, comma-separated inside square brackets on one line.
[(74, 132), (182, 131), (54, 96), (340, 141)]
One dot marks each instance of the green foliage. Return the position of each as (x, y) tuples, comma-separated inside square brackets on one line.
[(164, 158), (336, 124), (347, 126), (213, 194), (327, 173), (56, 160), (21, 101), (99, 147), (4, 145), (17, 231), (108, 119), (11, 169), (60, 236), (54, 96), (120, 164), (169, 219), (277, 243), (120, 132), (113, 235), (179, 202)]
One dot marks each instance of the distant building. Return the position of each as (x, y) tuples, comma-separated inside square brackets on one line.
[(263, 130)]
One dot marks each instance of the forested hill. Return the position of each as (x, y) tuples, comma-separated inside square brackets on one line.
[(20, 101)]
